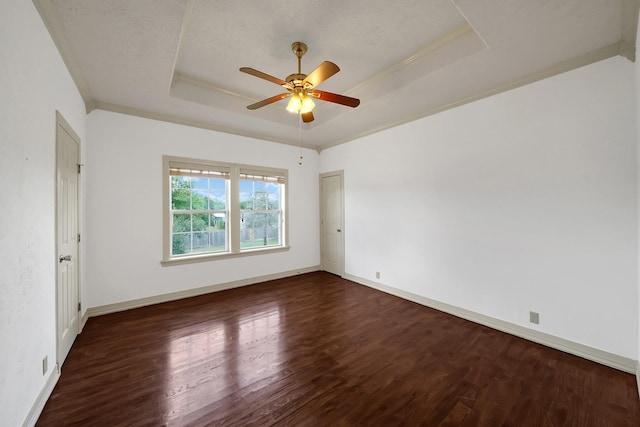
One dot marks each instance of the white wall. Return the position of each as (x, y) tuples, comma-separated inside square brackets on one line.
[(123, 177), (522, 201), (34, 83)]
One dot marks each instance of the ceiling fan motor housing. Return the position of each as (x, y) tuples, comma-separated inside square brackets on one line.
[(301, 86)]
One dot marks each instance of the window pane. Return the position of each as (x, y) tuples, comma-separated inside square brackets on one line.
[(256, 195), (259, 186), (180, 182), (247, 219), (274, 233), (274, 236), (200, 222), (196, 233), (209, 193), (274, 220), (201, 184), (200, 240), (218, 200), (273, 187), (247, 231), (180, 199), (217, 222), (181, 244), (218, 232), (260, 201), (198, 201), (259, 229), (246, 195), (189, 193), (217, 184), (274, 201), (181, 222)]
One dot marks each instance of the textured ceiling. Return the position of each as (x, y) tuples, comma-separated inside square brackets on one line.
[(178, 60)]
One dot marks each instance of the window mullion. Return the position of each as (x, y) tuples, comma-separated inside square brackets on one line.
[(198, 211), (234, 211)]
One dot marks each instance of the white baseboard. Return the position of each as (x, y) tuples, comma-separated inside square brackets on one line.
[(128, 305), (605, 358), (38, 405), (83, 321)]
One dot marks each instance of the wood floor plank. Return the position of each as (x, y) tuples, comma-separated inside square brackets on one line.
[(318, 350)]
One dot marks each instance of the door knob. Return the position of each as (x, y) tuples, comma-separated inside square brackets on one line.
[(65, 258), (339, 230)]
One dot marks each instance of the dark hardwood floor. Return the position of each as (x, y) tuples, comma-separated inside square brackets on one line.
[(317, 350)]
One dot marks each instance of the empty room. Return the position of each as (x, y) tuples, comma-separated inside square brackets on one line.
[(350, 213)]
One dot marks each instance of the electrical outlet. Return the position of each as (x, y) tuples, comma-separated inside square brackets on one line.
[(377, 274), (45, 365), (534, 317)]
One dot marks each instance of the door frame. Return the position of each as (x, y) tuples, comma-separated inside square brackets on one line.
[(342, 233), (61, 122)]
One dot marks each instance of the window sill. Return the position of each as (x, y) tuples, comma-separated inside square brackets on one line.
[(190, 259)]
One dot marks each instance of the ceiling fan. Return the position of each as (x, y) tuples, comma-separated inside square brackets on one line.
[(300, 87)]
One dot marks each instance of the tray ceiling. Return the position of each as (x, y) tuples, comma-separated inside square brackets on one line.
[(178, 60)]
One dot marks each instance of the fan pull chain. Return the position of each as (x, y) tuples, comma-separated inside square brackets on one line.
[(300, 129)]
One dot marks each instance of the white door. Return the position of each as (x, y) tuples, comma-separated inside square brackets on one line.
[(67, 159), (331, 223)]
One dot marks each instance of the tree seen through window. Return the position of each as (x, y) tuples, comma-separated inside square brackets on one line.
[(198, 207), (261, 215)]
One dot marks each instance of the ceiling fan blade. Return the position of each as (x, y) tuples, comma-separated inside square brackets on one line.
[(264, 76), (268, 101), (321, 73), (307, 117), (334, 97)]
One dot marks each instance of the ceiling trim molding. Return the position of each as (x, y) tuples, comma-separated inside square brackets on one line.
[(427, 50), (210, 87), (630, 10), (186, 19), (54, 25), (559, 68), (98, 105), (469, 23)]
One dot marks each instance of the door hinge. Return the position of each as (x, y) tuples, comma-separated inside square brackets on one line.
[(78, 237), (79, 166), (79, 306)]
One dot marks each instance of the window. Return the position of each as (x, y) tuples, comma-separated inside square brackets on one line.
[(260, 209), (215, 209), (199, 199)]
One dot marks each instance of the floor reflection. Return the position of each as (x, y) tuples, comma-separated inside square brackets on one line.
[(257, 346), (225, 356)]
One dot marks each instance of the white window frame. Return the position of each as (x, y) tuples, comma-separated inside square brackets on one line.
[(233, 210)]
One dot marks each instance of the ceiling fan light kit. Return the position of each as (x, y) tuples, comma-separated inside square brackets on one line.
[(300, 87), (300, 103)]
